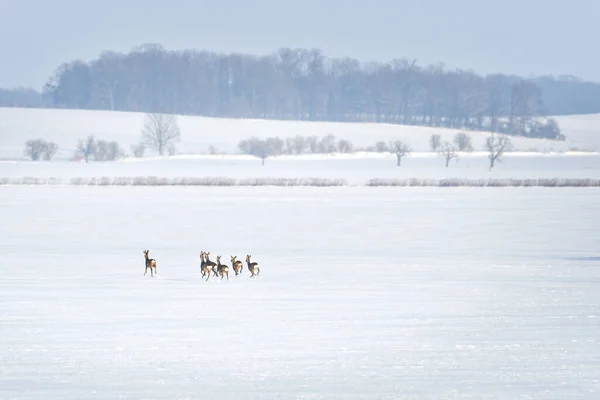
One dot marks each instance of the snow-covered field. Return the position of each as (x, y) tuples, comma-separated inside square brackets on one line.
[(364, 293), (66, 127)]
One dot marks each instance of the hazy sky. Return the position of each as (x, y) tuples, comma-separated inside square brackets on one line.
[(512, 36)]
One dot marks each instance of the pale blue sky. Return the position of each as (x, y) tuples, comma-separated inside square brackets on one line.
[(511, 36)]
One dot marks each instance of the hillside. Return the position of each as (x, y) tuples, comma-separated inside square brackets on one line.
[(66, 127)]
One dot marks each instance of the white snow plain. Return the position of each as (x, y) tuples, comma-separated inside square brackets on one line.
[(364, 293)]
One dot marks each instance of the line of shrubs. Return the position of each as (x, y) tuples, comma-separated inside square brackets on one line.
[(319, 182)]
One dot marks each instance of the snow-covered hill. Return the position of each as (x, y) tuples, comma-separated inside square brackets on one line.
[(66, 127)]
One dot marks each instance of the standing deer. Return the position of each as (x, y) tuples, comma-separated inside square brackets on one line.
[(237, 265), (202, 263), (222, 268), (252, 266), (150, 263), (210, 266)]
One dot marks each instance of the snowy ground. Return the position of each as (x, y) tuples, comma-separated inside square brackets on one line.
[(66, 127), (364, 293), (354, 169)]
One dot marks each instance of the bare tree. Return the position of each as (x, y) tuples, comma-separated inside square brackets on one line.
[(463, 142), (51, 150), (261, 148), (160, 131), (448, 152), (400, 149), (275, 146), (496, 145), (138, 150), (435, 142), (297, 144), (327, 144), (108, 151), (381, 147), (39, 148), (344, 146), (87, 147)]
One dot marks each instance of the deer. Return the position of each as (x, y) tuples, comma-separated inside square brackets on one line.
[(210, 266), (222, 268), (202, 263), (252, 266), (237, 265), (150, 263)]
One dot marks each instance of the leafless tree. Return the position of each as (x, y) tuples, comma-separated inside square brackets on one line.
[(51, 150), (327, 144), (496, 145), (463, 142), (138, 150), (87, 147), (108, 151), (296, 145), (275, 146), (344, 146), (261, 148), (39, 148), (381, 147), (160, 131), (312, 143), (34, 149), (448, 152), (435, 142), (400, 149)]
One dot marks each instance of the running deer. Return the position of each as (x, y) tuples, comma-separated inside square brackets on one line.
[(150, 263), (237, 265), (210, 266), (252, 266), (222, 268)]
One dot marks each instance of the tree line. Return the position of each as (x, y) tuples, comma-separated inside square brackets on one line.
[(300, 84), (495, 146), (304, 84)]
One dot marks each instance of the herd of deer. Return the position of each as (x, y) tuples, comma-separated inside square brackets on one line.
[(207, 266)]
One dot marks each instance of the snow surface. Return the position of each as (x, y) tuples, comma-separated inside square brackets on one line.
[(66, 127), (364, 293)]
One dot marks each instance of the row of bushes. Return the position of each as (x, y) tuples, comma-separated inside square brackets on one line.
[(274, 146), (508, 182), (318, 182), (101, 150), (157, 181)]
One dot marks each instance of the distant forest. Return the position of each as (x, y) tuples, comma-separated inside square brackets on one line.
[(304, 84)]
